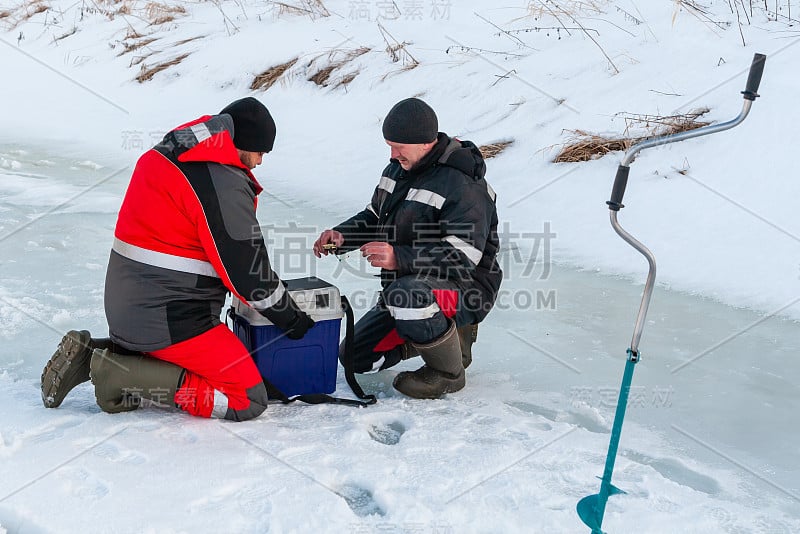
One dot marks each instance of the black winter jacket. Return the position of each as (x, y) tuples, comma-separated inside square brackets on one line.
[(441, 218)]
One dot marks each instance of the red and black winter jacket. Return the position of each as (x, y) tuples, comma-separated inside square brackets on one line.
[(187, 234), (441, 218)]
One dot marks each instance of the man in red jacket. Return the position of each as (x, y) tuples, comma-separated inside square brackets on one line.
[(186, 235)]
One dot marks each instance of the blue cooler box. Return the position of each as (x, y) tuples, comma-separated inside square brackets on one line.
[(303, 366)]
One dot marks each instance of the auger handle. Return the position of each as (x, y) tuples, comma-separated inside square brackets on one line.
[(620, 183), (754, 78)]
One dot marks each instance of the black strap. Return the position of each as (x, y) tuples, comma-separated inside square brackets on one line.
[(348, 357), (349, 374), (311, 398)]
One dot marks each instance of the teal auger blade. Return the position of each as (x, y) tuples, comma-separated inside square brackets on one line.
[(589, 509), (592, 508), (588, 512)]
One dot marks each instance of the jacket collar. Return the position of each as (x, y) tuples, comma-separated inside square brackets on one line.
[(430, 159), (207, 139)]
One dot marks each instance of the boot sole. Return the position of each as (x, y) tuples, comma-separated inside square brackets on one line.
[(410, 386), (68, 367)]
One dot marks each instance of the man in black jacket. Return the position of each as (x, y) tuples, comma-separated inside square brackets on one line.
[(432, 229)]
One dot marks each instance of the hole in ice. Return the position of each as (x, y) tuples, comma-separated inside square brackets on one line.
[(360, 500), (388, 434)]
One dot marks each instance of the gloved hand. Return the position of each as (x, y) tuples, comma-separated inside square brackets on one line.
[(299, 325)]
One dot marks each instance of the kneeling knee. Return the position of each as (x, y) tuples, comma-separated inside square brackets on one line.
[(257, 395)]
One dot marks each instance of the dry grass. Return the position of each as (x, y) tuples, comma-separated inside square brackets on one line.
[(147, 73), (189, 40), (36, 8), (132, 34), (73, 31), (495, 149), (406, 68), (584, 146), (345, 80), (398, 51), (136, 60), (286, 9), (157, 9), (322, 76), (543, 8), (162, 20), (158, 13), (561, 10), (317, 7), (22, 13), (313, 8), (656, 125), (130, 47), (266, 79)]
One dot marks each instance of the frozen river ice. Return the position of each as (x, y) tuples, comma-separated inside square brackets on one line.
[(716, 385)]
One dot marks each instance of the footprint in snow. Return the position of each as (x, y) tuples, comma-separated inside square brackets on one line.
[(111, 452), (9, 443), (582, 416), (675, 471), (147, 426), (388, 433), (772, 525), (254, 500), (360, 500), (217, 501), (53, 429), (83, 484), (13, 521), (177, 435)]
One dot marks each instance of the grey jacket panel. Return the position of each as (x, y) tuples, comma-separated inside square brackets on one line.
[(149, 308)]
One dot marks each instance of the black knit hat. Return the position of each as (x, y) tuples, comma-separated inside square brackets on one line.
[(253, 127), (411, 121)]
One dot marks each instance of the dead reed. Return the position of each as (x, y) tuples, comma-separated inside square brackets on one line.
[(584, 146), (147, 73), (322, 76), (495, 149), (266, 79)]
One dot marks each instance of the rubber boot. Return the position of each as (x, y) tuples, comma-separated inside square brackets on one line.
[(467, 335), (442, 373), (69, 366), (407, 351), (121, 381)]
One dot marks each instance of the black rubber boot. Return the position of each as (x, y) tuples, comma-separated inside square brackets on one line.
[(69, 366), (121, 381), (467, 335), (442, 373)]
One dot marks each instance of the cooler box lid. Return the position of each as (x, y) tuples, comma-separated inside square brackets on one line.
[(319, 299)]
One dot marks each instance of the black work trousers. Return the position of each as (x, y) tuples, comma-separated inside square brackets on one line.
[(408, 305)]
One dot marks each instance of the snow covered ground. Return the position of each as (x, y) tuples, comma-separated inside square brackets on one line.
[(708, 446)]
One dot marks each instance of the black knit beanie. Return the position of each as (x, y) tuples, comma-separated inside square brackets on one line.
[(411, 121), (253, 127)]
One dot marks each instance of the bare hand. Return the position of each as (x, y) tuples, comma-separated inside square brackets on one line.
[(380, 254), (328, 237)]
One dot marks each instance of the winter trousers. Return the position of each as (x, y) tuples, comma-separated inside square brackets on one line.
[(412, 308), (221, 379)]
